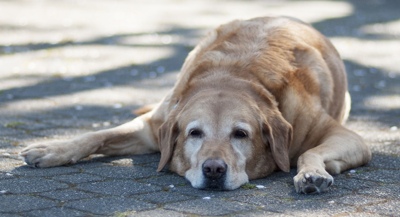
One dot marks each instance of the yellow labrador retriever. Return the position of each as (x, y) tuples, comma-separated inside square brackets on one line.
[(253, 97)]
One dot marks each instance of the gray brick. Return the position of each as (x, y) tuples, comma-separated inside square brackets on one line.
[(214, 207), (67, 194), (117, 187), (77, 178), (109, 205), (357, 200), (297, 206), (20, 203), (390, 208), (390, 191), (380, 175), (385, 162), (163, 197), (44, 172), (156, 213), (30, 185), (166, 180), (133, 172), (56, 212)]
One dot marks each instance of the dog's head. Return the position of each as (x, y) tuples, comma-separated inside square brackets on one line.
[(221, 139)]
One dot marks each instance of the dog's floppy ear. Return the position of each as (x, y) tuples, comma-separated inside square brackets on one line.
[(167, 135), (278, 133)]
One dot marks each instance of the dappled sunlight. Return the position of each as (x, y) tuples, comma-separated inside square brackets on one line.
[(385, 102), (382, 54), (386, 29), (112, 98), (75, 60)]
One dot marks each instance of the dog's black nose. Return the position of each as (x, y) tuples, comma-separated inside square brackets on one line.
[(214, 168)]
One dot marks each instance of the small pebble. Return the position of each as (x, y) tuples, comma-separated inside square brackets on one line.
[(393, 128), (95, 125), (78, 107), (352, 171), (260, 186), (206, 198)]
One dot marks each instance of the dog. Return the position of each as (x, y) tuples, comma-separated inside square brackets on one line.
[(253, 97)]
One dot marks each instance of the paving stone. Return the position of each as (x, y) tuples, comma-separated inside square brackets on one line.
[(357, 200), (156, 213), (21, 203), (260, 213), (133, 172), (211, 207), (27, 171), (166, 180), (77, 178), (388, 191), (296, 207), (30, 185), (380, 175), (385, 162), (67, 194), (59, 212), (162, 197), (109, 205), (89, 163), (6, 175), (190, 191), (390, 208), (117, 187), (348, 182)]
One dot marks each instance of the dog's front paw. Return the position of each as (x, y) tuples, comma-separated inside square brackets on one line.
[(312, 181), (49, 155)]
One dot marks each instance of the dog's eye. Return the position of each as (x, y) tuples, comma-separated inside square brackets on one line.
[(197, 133), (240, 134)]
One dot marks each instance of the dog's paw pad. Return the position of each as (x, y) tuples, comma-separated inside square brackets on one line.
[(312, 182)]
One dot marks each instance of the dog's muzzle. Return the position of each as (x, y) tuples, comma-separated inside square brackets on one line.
[(214, 171)]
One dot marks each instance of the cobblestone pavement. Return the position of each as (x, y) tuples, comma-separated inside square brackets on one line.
[(69, 67)]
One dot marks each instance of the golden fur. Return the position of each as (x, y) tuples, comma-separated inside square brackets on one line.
[(253, 97)]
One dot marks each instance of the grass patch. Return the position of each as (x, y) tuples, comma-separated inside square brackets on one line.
[(248, 186), (14, 124)]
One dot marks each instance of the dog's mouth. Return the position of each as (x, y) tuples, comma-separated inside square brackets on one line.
[(215, 184)]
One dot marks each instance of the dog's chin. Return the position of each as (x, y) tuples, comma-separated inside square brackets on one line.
[(215, 185)]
